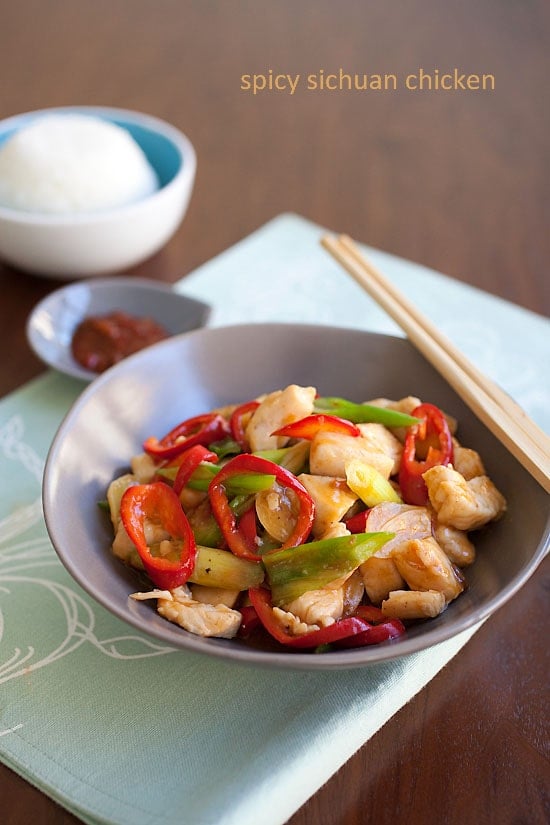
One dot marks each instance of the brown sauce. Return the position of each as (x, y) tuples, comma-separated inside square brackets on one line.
[(103, 340)]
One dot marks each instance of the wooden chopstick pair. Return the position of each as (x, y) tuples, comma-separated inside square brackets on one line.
[(501, 415)]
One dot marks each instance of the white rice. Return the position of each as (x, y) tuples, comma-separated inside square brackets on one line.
[(73, 163)]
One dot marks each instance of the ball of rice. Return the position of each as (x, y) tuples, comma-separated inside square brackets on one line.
[(73, 163)]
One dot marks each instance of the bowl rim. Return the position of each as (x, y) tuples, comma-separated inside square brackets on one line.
[(184, 177), (337, 660)]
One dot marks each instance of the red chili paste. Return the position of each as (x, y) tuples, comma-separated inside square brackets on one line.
[(103, 340)]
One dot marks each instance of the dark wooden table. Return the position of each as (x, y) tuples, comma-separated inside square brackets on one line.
[(456, 180)]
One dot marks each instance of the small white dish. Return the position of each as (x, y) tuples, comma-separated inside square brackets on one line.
[(84, 245), (51, 324)]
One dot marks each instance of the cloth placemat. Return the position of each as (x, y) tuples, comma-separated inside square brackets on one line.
[(121, 729)]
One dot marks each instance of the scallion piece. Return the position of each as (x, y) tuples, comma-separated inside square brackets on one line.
[(363, 413), (244, 483), (295, 570)]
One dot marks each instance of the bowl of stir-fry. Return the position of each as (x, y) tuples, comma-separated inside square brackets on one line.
[(288, 495)]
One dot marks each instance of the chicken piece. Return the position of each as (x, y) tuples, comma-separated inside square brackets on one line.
[(424, 566), (275, 411), (405, 520), (330, 452), (214, 595), (380, 577), (452, 423), (332, 498), (318, 607), (124, 548), (151, 594), (291, 624), (467, 462), (455, 544), (190, 499), (405, 405), (201, 619), (466, 505), (382, 438), (413, 604), (335, 530), (144, 468), (169, 545)]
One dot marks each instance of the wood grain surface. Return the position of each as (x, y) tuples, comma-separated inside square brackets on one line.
[(457, 180)]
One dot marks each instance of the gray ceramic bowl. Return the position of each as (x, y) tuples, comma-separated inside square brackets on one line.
[(150, 392), (52, 322)]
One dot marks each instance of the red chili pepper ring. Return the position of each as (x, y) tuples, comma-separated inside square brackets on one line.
[(427, 444), (158, 502), (201, 429), (247, 463)]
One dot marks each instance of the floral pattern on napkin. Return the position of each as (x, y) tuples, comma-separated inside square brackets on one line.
[(32, 579)]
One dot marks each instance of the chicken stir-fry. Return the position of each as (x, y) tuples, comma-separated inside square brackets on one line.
[(201, 618), (323, 522)]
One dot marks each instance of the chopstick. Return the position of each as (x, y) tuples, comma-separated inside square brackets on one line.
[(527, 442)]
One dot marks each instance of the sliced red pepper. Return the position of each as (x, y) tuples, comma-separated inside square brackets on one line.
[(358, 522), (201, 429), (249, 622), (247, 527), (353, 631), (191, 459), (309, 426), (373, 635), (343, 629), (236, 423), (159, 503), (370, 613), (427, 444), (247, 463)]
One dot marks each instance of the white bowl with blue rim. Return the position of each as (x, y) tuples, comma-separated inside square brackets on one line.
[(79, 245)]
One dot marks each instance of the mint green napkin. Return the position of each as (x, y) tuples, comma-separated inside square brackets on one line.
[(121, 729)]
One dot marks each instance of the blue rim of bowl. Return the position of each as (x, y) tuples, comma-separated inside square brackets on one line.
[(121, 117)]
